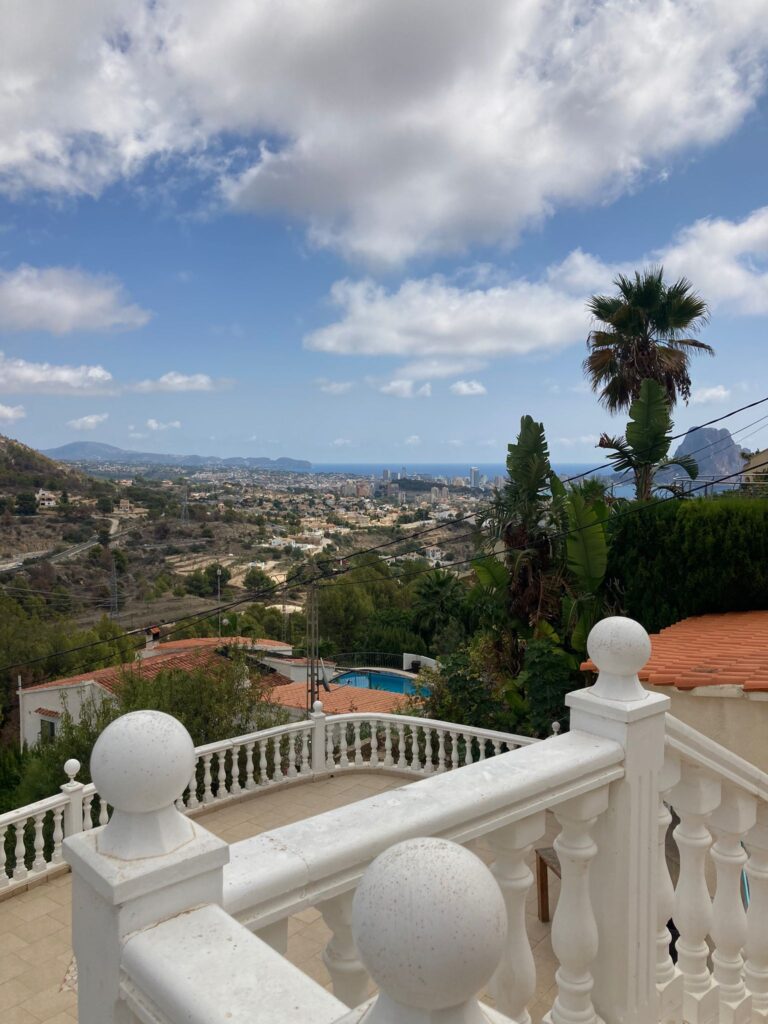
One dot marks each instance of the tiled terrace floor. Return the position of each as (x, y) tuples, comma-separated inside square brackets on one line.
[(35, 948)]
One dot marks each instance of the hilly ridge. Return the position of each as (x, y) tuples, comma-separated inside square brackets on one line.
[(95, 451)]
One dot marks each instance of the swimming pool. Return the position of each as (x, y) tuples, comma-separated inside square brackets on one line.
[(380, 679)]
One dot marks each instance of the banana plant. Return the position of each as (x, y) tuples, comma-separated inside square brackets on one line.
[(644, 449)]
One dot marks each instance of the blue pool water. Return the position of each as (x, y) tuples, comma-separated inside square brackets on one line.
[(379, 679)]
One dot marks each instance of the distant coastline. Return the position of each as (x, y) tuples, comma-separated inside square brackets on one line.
[(446, 469)]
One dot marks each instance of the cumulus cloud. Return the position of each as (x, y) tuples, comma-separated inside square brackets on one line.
[(705, 396), (444, 328), (21, 376), (402, 388), (341, 442), (468, 388), (88, 422), (174, 381), (153, 424), (413, 440), (490, 122), (61, 300), (334, 387), (11, 413)]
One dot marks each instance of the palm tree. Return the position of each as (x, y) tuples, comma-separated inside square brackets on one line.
[(643, 333)]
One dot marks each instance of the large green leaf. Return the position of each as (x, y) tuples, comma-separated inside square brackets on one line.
[(528, 460), (650, 423), (587, 544), (491, 573)]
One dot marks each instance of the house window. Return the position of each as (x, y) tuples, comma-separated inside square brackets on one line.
[(47, 730)]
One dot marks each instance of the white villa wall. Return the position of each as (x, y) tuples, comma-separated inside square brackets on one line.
[(727, 715), (53, 698)]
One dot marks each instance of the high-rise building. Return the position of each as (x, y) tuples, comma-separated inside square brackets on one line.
[(474, 476), (386, 474)]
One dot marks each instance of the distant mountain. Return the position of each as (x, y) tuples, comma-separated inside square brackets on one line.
[(24, 469), (715, 453), (94, 451)]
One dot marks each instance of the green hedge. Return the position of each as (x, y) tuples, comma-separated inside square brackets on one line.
[(684, 558)]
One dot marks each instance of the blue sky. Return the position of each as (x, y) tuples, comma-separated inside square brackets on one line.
[(360, 234)]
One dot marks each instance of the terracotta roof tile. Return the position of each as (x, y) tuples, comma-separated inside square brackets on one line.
[(710, 650), (48, 712), (342, 699), (146, 667)]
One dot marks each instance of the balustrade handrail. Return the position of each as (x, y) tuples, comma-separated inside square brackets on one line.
[(432, 723), (50, 803), (696, 748), (278, 873)]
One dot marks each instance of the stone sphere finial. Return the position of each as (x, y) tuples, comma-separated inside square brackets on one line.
[(140, 764), (71, 768), (619, 647), (317, 707), (430, 924)]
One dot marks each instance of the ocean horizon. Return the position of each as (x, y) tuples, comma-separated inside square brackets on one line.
[(446, 469)]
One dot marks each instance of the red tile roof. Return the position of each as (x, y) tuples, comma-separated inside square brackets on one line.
[(710, 650), (146, 667), (341, 699), (48, 712)]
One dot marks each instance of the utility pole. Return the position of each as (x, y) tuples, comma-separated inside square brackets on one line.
[(313, 644), (184, 517), (114, 596), (218, 594)]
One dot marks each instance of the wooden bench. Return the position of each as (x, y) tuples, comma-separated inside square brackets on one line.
[(546, 860)]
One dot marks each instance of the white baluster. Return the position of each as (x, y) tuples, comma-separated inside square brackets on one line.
[(4, 879), (306, 764), (574, 929), (468, 756), (388, 760), (481, 743), (250, 767), (263, 773), (207, 791), (103, 811), (454, 749), (330, 745), (358, 745), (20, 871), (669, 980), (428, 763), (756, 949), (694, 798), (278, 775), (235, 786), (39, 861), (58, 835), (374, 758), (730, 821), (514, 983), (192, 800), (401, 746), (340, 956), (440, 750), (87, 812), (496, 748), (291, 744), (343, 745), (221, 777)]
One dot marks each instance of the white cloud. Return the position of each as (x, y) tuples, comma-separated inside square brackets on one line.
[(334, 387), (88, 422), (490, 122), (20, 376), (401, 388), (153, 424), (455, 443), (341, 442), (175, 381), (468, 388), (580, 441), (441, 326), (430, 318), (61, 300), (11, 413), (705, 396), (413, 440)]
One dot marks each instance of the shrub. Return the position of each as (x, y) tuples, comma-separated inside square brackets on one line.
[(683, 558)]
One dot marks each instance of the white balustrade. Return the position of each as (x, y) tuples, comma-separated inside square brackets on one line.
[(574, 928), (349, 975), (669, 979), (514, 982), (756, 948)]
